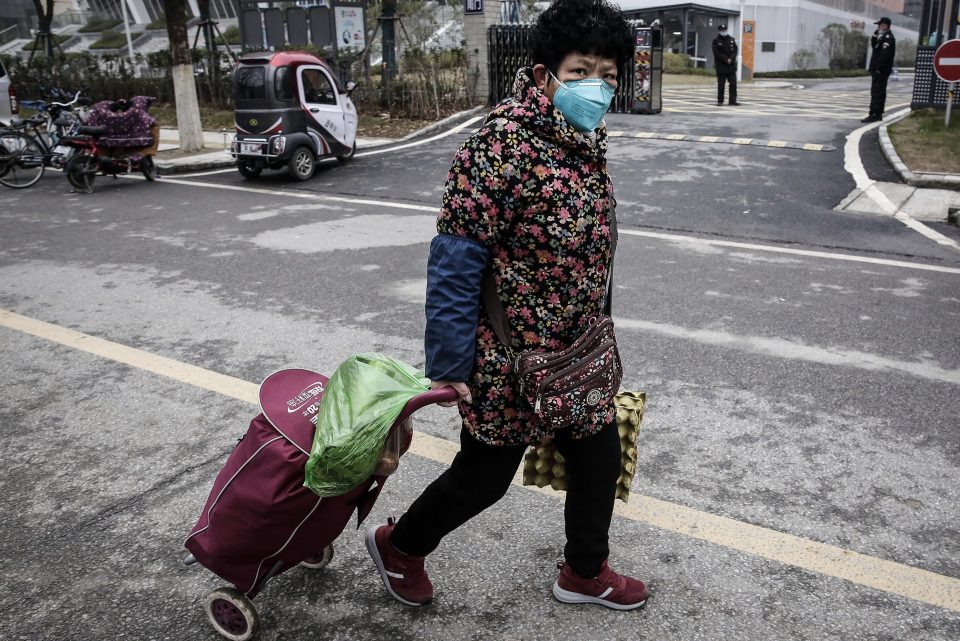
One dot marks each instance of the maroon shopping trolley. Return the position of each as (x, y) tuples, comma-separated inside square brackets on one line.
[(259, 520)]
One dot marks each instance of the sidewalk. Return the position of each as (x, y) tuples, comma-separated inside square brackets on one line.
[(929, 197)]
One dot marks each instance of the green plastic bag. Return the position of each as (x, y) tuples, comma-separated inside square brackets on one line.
[(363, 398)]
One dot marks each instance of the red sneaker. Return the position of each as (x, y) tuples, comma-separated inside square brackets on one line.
[(403, 574), (607, 588)]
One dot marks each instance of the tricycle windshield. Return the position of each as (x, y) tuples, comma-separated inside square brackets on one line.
[(251, 83)]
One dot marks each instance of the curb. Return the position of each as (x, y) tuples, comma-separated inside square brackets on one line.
[(916, 179), (440, 124), (169, 168)]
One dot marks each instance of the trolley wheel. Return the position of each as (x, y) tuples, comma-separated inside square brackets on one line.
[(81, 171), (232, 614), (319, 560), (149, 168), (302, 163), (347, 156), (248, 169)]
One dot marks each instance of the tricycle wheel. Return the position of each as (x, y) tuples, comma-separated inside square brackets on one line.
[(347, 156), (149, 169), (302, 163), (319, 560), (248, 169), (81, 170), (232, 614)]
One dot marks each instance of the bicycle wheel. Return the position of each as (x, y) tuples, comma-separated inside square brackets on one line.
[(81, 170), (21, 160)]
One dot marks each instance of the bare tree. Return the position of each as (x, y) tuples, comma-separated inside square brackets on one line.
[(184, 84)]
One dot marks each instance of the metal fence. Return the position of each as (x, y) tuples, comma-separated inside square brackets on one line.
[(509, 52)]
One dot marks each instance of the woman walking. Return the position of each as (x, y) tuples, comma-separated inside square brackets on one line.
[(529, 203)]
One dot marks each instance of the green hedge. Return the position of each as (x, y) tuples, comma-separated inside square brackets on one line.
[(109, 76), (677, 63), (813, 73), (56, 38), (114, 40), (99, 26)]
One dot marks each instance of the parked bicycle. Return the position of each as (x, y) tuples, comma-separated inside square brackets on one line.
[(28, 147)]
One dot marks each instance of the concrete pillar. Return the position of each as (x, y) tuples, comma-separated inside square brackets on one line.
[(475, 27)]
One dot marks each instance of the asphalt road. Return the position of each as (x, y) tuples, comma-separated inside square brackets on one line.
[(801, 365)]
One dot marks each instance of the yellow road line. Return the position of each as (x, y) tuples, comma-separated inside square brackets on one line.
[(887, 576)]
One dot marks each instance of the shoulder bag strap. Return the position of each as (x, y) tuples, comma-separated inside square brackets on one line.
[(494, 307)]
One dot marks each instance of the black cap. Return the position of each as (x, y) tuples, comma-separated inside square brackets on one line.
[(883, 20), (722, 27)]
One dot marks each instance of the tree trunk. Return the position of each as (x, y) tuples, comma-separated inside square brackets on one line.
[(44, 20), (184, 84)]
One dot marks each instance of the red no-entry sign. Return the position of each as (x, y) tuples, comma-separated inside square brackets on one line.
[(946, 61)]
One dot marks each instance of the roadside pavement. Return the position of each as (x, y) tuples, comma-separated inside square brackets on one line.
[(929, 197), (217, 144)]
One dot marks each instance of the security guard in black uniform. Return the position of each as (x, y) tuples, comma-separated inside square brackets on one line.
[(725, 59), (884, 47)]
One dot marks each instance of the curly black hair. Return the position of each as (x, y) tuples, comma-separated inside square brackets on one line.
[(582, 26)]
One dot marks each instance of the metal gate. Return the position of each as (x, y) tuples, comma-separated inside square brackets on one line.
[(509, 52)]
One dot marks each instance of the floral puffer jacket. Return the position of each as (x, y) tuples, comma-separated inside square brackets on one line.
[(529, 196)]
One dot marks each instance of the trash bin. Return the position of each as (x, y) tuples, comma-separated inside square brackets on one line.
[(648, 69)]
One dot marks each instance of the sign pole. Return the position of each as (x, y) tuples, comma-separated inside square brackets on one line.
[(946, 65), (950, 89)]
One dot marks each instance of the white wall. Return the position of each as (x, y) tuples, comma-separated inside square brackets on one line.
[(790, 24)]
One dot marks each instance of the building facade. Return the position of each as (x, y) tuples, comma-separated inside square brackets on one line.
[(781, 27)]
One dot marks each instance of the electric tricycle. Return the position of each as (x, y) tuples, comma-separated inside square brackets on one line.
[(290, 111)]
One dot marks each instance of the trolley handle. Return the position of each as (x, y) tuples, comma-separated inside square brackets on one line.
[(439, 395)]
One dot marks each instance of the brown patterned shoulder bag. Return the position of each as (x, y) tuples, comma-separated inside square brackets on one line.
[(564, 387)]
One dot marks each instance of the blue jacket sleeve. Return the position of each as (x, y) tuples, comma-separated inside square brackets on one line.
[(454, 276)]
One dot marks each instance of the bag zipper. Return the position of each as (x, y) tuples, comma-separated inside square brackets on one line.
[(590, 333), (545, 382)]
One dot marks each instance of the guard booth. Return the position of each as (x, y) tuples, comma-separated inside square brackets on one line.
[(647, 70)]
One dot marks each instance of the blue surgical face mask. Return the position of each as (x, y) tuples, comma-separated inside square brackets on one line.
[(723, 33), (583, 102)]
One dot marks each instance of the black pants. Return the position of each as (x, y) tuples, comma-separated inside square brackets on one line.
[(481, 474), (727, 76), (878, 93)]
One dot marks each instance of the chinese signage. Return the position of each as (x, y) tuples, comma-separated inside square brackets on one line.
[(472, 7), (348, 23)]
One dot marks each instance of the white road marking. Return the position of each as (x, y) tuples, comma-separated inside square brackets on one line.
[(854, 165), (454, 130), (795, 350), (629, 232), (790, 250), (860, 569)]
